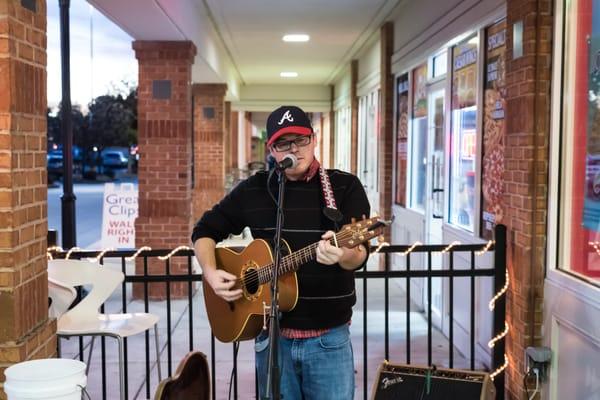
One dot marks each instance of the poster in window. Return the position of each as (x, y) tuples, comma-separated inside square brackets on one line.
[(494, 129), (591, 203), (401, 138), (420, 91), (464, 74)]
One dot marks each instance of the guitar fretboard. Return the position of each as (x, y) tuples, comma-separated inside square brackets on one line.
[(293, 261)]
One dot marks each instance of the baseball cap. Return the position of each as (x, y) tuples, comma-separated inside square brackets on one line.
[(285, 120)]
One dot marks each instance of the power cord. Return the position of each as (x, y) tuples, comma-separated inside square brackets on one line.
[(536, 372), (426, 389)]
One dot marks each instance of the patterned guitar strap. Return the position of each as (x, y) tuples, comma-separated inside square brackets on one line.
[(330, 210)]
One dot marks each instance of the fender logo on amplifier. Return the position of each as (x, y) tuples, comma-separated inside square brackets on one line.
[(387, 382)]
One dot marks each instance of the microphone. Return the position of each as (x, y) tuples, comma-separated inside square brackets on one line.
[(289, 161)]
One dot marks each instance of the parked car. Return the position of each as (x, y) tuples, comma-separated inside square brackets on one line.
[(114, 159), (54, 163)]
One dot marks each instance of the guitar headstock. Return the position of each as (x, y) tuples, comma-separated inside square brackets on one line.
[(351, 235)]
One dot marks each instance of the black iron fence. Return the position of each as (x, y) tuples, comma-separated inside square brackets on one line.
[(410, 270)]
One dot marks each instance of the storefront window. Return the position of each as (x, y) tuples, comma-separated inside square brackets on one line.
[(401, 138), (580, 192), (463, 143), (418, 154)]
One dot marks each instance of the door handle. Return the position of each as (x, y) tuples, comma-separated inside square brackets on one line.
[(434, 191)]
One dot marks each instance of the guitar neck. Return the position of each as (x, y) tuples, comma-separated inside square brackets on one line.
[(293, 261), (289, 263)]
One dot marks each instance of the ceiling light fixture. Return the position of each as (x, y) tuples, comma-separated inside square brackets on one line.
[(297, 37), (288, 74)]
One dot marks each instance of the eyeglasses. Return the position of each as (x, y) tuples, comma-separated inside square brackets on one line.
[(285, 145)]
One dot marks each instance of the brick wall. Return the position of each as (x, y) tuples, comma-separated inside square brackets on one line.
[(209, 146), (386, 133), (227, 136), (234, 131), (165, 143), (526, 180), (248, 136), (25, 331)]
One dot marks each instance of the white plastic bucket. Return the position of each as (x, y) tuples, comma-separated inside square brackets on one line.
[(48, 379)]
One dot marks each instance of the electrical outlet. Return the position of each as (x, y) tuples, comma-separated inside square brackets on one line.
[(538, 357)]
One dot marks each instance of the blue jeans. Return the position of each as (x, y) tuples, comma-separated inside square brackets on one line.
[(320, 368)]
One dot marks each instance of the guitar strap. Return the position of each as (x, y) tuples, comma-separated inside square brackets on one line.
[(330, 210)]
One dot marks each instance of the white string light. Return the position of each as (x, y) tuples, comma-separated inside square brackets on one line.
[(451, 245), (137, 253), (485, 248), (50, 250), (492, 303), (71, 251), (500, 368), (411, 248), (381, 245), (164, 258), (499, 336), (502, 334), (102, 253)]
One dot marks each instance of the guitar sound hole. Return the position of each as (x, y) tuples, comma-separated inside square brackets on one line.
[(251, 280)]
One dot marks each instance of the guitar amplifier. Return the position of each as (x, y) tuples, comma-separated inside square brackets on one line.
[(409, 382)]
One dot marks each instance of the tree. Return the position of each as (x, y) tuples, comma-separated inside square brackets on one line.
[(111, 120)]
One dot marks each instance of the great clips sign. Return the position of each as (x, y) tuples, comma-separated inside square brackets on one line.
[(119, 211)]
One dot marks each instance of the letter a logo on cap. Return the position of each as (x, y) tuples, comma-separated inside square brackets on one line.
[(286, 116)]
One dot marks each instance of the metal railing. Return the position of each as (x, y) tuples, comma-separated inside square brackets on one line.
[(409, 272)]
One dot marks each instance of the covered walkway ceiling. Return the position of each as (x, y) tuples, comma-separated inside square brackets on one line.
[(239, 42)]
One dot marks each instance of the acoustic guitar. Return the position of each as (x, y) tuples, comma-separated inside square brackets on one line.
[(191, 380), (243, 318)]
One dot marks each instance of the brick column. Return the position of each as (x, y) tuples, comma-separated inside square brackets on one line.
[(526, 178), (165, 143), (248, 136), (227, 136), (234, 132), (25, 331), (209, 146), (353, 117), (386, 132)]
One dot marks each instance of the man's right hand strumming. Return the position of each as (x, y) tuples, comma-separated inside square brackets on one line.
[(222, 282)]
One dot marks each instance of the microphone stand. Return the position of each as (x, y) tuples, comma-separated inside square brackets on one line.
[(274, 374)]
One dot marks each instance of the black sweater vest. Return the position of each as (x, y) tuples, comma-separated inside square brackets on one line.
[(326, 292)]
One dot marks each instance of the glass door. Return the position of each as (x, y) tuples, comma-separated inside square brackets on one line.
[(435, 189), (368, 156)]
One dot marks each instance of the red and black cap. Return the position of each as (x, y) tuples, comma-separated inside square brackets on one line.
[(287, 120)]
